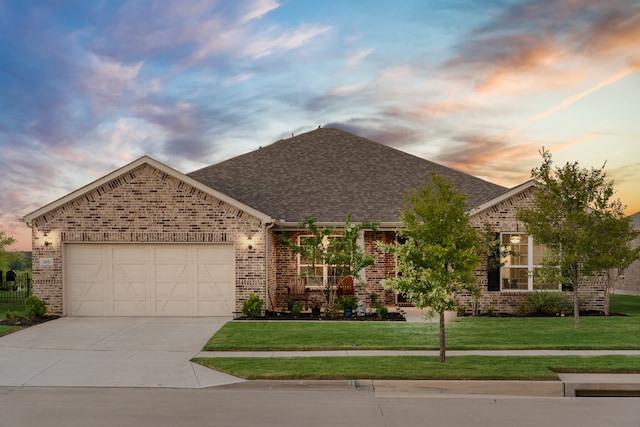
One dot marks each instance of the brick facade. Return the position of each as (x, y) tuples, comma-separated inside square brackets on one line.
[(147, 205), (500, 217), (628, 281)]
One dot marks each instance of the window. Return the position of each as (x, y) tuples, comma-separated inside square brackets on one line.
[(521, 256), (317, 273)]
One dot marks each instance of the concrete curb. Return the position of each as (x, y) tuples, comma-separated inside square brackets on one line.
[(576, 386)]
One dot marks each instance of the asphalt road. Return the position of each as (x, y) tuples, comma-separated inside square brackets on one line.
[(298, 406)]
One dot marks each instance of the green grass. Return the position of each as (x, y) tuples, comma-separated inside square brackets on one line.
[(615, 332), (419, 368), (468, 333), (627, 304), (6, 306)]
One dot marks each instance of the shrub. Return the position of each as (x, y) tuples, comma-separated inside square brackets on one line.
[(521, 307), (34, 307), (547, 303), (13, 316), (381, 311), (296, 309), (252, 307)]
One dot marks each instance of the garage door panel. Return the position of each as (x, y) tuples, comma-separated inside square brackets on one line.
[(129, 272), (214, 290), (169, 307), (176, 290), (129, 307), (84, 290), (130, 289), (87, 308), (209, 308), (214, 272), (150, 279)]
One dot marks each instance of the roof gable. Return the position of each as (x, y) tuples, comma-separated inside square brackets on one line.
[(327, 173), (130, 167), (635, 220)]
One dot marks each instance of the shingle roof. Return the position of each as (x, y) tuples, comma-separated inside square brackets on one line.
[(327, 173)]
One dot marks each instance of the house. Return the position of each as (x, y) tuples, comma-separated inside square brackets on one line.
[(147, 240), (628, 281)]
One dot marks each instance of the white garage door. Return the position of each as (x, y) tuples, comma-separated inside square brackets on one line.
[(149, 280)]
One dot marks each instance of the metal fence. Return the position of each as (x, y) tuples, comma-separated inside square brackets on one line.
[(14, 287)]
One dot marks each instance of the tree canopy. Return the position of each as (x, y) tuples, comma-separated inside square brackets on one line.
[(584, 230), (440, 252)]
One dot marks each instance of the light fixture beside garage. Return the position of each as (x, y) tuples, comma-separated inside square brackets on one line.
[(45, 239), (249, 243)]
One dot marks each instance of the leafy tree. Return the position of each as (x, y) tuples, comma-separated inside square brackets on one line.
[(4, 241), (441, 251), (584, 231), (343, 253)]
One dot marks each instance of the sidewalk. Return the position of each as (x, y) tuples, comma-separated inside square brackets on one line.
[(344, 353)]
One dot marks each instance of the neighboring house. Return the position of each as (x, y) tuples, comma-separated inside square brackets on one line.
[(148, 240), (628, 281)]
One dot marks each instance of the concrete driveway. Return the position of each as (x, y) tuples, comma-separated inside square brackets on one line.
[(110, 352)]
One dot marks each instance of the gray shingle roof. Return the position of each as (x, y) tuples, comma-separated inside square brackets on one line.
[(327, 173)]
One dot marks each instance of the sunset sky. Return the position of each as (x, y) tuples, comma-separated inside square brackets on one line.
[(477, 85)]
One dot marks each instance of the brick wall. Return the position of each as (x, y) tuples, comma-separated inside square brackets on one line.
[(146, 205), (628, 282), (502, 218)]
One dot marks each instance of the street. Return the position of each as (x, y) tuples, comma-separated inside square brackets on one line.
[(302, 405)]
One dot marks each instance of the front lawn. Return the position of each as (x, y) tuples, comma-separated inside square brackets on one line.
[(602, 333), (627, 304), (419, 368), (468, 333)]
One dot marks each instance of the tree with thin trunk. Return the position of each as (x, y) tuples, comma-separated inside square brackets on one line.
[(440, 252), (5, 240), (584, 231)]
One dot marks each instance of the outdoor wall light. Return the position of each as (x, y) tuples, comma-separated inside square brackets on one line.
[(45, 239), (250, 243)]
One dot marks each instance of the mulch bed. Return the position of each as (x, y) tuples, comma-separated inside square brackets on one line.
[(24, 322), (285, 315)]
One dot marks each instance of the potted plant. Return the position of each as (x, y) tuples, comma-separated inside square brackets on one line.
[(348, 304), (451, 311)]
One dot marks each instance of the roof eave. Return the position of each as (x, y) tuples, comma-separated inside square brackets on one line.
[(502, 197)]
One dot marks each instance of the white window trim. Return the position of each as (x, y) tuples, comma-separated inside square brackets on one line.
[(530, 266), (325, 267)]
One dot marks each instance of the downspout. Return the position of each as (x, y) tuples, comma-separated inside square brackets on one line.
[(266, 262)]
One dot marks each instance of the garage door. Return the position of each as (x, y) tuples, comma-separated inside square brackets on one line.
[(149, 280)]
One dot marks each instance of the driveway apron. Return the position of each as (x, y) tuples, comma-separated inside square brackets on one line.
[(111, 352)]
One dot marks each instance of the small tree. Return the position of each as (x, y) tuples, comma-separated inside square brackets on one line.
[(5, 241), (344, 253), (441, 251), (584, 231)]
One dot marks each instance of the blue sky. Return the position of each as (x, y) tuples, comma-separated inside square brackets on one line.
[(481, 86)]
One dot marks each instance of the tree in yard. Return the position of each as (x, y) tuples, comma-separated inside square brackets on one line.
[(584, 231), (345, 253), (441, 250), (4, 241), (326, 246)]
